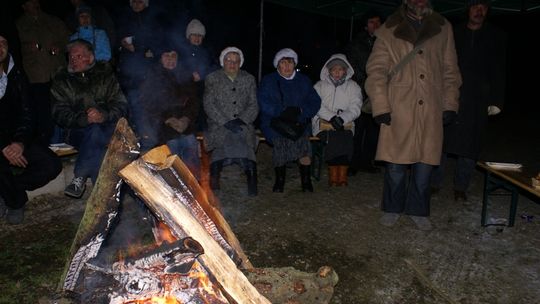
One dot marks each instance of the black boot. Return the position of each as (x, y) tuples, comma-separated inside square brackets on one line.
[(251, 175), (215, 173), (280, 179), (305, 176)]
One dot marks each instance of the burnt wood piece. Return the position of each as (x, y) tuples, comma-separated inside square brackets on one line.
[(162, 200), (288, 285), (102, 204), (177, 175)]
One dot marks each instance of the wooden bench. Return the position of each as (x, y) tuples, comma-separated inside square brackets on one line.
[(510, 180), (317, 160)]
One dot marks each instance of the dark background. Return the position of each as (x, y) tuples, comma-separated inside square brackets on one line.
[(314, 37)]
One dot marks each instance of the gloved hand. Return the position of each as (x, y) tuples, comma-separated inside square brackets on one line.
[(337, 123), (449, 117), (234, 125), (290, 114), (384, 118)]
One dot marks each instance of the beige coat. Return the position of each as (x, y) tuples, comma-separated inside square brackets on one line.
[(419, 93)]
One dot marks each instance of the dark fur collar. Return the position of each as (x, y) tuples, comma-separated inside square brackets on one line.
[(404, 30)]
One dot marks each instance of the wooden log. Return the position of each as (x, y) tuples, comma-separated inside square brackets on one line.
[(102, 204), (161, 199), (162, 158)]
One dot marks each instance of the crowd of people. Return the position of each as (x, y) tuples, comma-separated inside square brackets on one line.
[(393, 96)]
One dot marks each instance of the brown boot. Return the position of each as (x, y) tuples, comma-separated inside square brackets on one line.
[(342, 175), (333, 178)]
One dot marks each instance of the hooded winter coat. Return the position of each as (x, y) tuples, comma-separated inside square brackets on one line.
[(419, 93), (344, 100), (98, 38)]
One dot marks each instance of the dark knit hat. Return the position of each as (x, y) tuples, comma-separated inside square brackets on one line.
[(83, 9)]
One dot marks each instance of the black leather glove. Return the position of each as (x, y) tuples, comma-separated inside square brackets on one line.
[(384, 118), (234, 125), (449, 117), (290, 114), (337, 123)]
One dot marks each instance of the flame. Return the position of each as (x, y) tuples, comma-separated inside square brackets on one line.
[(156, 300), (164, 234)]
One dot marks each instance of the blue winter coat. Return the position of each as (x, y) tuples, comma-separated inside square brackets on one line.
[(277, 93), (98, 38)]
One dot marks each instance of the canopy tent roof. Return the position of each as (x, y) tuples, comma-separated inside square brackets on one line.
[(352, 9)]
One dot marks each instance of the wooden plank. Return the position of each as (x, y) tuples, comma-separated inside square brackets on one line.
[(102, 203), (162, 158), (161, 199)]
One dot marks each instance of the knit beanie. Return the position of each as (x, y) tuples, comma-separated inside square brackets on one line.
[(285, 53), (83, 8), (231, 49), (195, 27), (146, 3)]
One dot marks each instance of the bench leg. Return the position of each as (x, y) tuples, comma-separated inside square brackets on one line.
[(513, 207), (485, 199)]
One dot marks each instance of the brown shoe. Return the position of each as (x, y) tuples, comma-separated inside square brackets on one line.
[(460, 196)]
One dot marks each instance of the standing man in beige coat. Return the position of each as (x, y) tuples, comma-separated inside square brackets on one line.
[(411, 103)]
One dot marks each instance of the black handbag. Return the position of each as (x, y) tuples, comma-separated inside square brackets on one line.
[(287, 129)]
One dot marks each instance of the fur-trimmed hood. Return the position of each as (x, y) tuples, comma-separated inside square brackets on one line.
[(403, 29)]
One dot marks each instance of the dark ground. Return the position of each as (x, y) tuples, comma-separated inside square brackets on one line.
[(457, 262)]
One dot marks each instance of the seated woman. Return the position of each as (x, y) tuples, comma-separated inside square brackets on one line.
[(341, 103), (288, 97), (230, 102), (169, 100), (87, 31)]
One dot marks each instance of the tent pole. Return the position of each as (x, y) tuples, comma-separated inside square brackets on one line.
[(351, 29), (261, 31)]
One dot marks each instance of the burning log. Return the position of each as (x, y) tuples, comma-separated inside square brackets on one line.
[(102, 205), (174, 207), (177, 175)]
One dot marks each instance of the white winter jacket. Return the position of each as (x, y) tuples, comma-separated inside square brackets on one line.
[(344, 100)]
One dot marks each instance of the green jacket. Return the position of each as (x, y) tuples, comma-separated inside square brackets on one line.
[(73, 94)]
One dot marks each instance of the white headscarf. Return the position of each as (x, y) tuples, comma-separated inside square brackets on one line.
[(231, 49), (285, 53)]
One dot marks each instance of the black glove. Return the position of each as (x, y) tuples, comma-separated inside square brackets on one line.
[(290, 114), (234, 125), (449, 117), (337, 123), (384, 118)]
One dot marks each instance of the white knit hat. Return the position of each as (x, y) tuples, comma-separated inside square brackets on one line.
[(285, 53), (146, 3), (195, 27), (231, 49)]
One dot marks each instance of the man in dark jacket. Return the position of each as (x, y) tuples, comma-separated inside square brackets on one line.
[(481, 55), (366, 131), (88, 101), (25, 164)]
